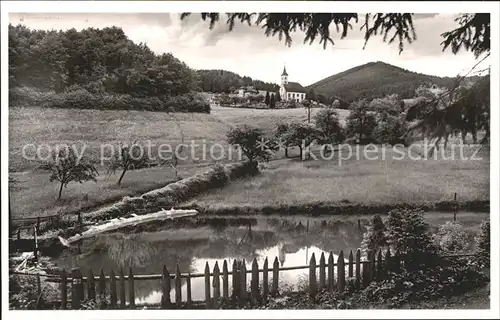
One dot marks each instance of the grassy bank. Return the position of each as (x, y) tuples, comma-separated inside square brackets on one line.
[(359, 181)]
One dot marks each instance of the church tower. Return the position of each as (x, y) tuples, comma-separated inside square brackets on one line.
[(284, 77)]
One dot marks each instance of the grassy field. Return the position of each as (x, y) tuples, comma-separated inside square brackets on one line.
[(359, 181), (289, 181), (34, 195)]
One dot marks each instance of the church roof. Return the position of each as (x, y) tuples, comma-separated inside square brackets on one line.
[(284, 72), (295, 87)]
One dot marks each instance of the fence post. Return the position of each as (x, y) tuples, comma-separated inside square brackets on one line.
[(216, 283), (165, 288), (38, 223), (455, 207), (19, 234), (123, 303), (178, 287), (331, 281), (350, 266), (265, 281), (358, 268), (207, 286), (91, 286), (236, 281), (76, 289), (387, 261), (243, 283), (380, 267), (341, 272), (188, 291), (236, 284), (322, 271), (225, 281), (276, 270), (312, 276), (64, 289), (131, 293), (112, 289), (35, 238), (102, 289), (255, 282), (372, 265)]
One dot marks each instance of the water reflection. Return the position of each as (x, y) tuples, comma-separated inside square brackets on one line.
[(198, 241)]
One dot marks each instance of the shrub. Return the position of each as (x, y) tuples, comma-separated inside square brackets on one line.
[(389, 129), (327, 121), (407, 232), (482, 253), (374, 238), (451, 238)]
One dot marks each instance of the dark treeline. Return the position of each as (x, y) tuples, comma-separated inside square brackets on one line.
[(92, 63), (222, 81)]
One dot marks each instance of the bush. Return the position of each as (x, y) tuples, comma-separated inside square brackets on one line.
[(374, 238), (451, 238), (80, 98), (453, 278), (249, 139), (482, 254), (407, 232)]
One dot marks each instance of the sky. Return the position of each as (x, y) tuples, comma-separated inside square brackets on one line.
[(247, 51)]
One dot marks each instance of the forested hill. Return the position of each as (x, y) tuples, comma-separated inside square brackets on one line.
[(373, 80), (226, 81), (96, 69)]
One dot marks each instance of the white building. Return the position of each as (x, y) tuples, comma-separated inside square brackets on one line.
[(291, 90)]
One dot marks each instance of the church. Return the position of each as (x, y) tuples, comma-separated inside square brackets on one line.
[(291, 91)]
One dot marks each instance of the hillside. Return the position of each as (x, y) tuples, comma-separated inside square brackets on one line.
[(220, 81), (375, 79)]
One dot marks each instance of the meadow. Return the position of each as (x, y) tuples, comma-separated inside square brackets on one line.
[(283, 181)]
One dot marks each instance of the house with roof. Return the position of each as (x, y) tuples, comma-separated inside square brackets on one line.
[(291, 91), (246, 91)]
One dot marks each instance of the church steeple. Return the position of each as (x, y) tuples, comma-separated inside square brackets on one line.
[(284, 77), (284, 72)]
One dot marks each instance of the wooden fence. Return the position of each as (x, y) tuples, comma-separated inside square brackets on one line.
[(326, 274)]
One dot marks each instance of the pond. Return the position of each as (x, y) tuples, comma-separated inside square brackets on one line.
[(191, 243)]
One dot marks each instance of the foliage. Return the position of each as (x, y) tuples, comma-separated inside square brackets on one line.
[(360, 123), (374, 237), (483, 245), (127, 157), (251, 141), (451, 238), (272, 102), (473, 34), (316, 25), (267, 98), (298, 135), (407, 233), (23, 294), (222, 81), (391, 125), (80, 98), (453, 277), (311, 95), (66, 167), (327, 121), (93, 65)]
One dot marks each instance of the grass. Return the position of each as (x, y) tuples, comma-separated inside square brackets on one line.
[(295, 182), (288, 181)]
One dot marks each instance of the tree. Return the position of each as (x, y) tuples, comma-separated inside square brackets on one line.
[(360, 123), (272, 102), (278, 96), (327, 121), (307, 105), (267, 99), (65, 167), (127, 158), (374, 237), (299, 135), (252, 142), (311, 95)]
